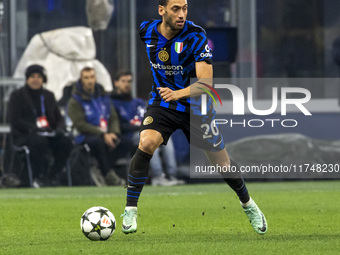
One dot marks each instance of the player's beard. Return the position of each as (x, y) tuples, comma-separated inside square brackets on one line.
[(170, 23), (89, 88)]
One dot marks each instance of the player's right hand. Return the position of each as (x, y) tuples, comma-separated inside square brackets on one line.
[(168, 94)]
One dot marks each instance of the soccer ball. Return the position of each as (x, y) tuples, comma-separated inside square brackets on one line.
[(98, 223)]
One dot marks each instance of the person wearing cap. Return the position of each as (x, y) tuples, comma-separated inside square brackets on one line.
[(36, 122)]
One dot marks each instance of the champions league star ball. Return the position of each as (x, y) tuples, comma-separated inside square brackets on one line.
[(98, 223)]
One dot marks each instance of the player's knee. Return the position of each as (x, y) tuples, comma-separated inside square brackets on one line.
[(148, 145)]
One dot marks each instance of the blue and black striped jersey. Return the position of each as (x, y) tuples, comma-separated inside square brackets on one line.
[(173, 61)]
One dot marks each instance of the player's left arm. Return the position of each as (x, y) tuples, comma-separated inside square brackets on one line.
[(204, 74)]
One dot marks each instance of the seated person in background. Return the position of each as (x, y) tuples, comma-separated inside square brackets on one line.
[(96, 123), (37, 123), (131, 112)]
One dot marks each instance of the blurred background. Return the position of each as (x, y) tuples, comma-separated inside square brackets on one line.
[(275, 38), (250, 39)]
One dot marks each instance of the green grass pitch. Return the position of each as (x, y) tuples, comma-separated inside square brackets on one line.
[(303, 218)]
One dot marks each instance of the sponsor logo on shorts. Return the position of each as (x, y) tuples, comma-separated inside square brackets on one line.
[(217, 144), (148, 120)]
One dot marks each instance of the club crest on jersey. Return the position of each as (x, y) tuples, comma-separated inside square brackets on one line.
[(178, 47), (163, 55)]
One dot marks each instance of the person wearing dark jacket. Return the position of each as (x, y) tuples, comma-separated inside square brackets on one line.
[(96, 123), (130, 110), (36, 122)]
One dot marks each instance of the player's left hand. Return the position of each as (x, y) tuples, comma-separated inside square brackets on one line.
[(168, 94)]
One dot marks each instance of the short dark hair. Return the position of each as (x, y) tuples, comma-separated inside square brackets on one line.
[(121, 74), (163, 2), (86, 69)]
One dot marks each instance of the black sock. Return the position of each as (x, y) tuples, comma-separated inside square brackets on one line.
[(236, 182), (138, 174)]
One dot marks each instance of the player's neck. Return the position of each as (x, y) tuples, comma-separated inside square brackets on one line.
[(166, 31)]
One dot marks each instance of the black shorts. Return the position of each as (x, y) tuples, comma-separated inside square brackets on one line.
[(200, 133)]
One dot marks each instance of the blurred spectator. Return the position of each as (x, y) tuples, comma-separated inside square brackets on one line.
[(131, 112), (96, 124), (37, 123)]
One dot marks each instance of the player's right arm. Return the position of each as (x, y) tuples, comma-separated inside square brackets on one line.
[(204, 73)]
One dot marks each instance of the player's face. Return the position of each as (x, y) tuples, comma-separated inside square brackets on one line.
[(174, 14), (123, 85), (88, 79), (35, 81)]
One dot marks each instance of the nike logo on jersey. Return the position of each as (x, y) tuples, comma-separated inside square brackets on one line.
[(149, 45)]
